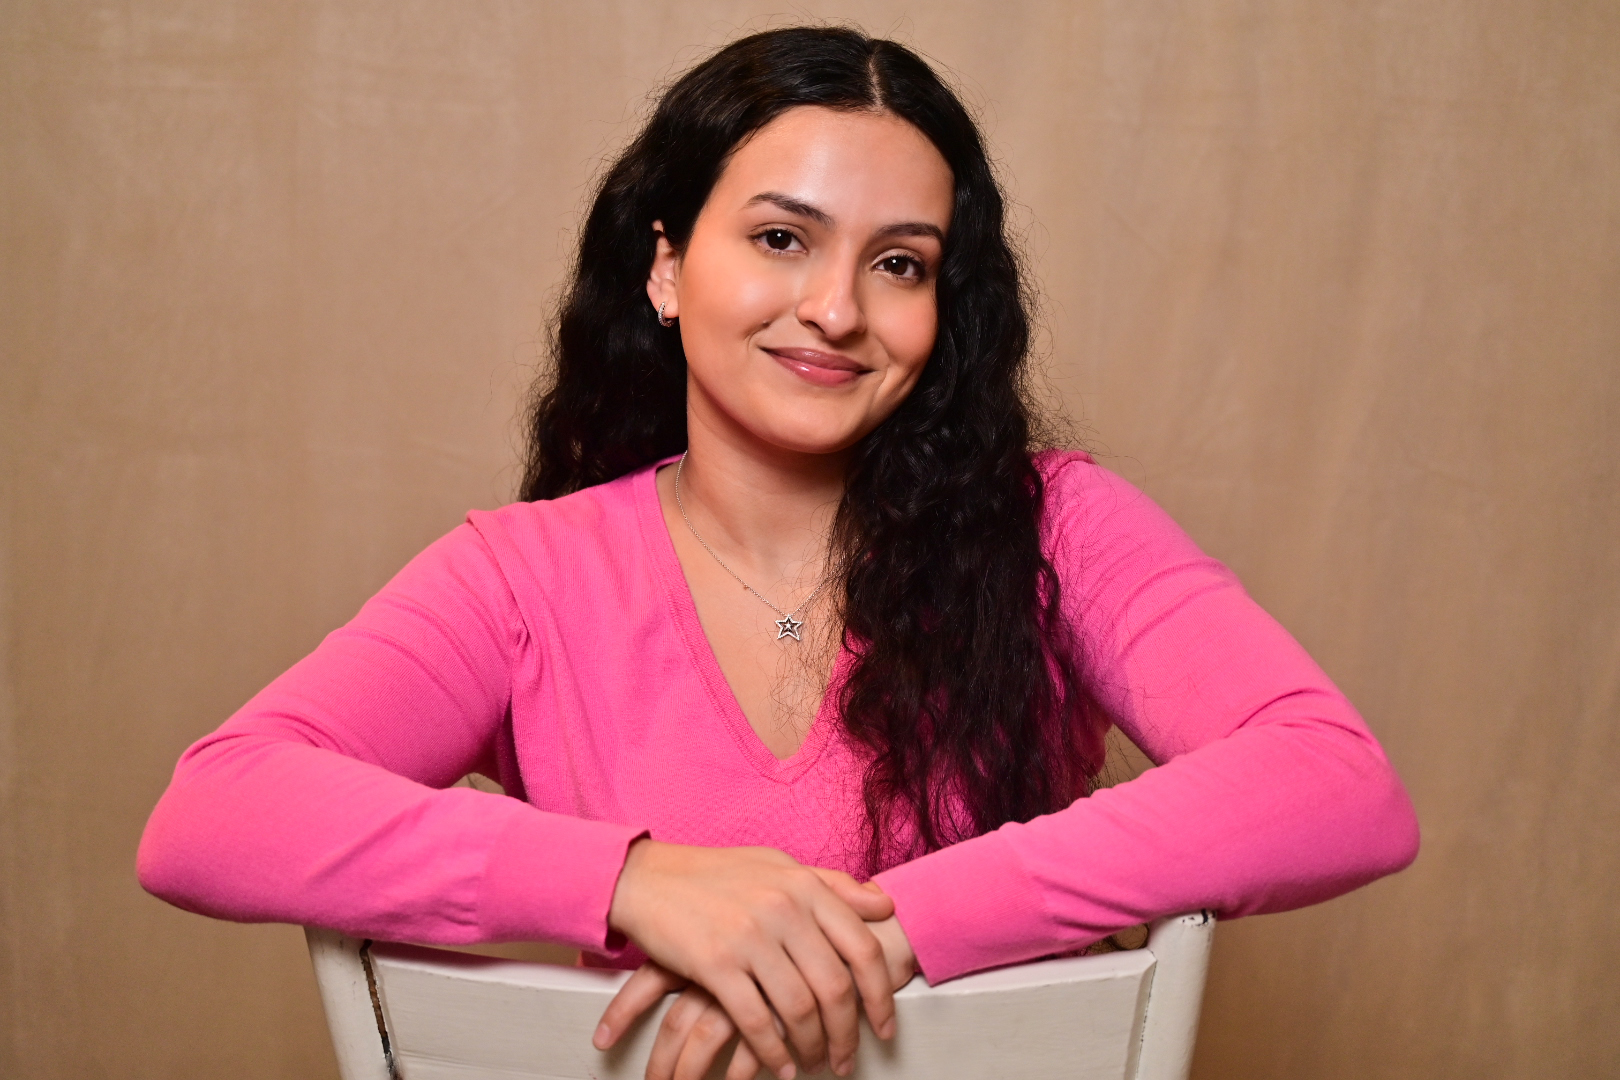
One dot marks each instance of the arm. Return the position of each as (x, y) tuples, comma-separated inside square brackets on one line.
[(325, 799), (1270, 793)]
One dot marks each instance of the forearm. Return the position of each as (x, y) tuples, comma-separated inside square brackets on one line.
[(254, 829), (1263, 821)]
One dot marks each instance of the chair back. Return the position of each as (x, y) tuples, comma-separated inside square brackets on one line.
[(403, 1012)]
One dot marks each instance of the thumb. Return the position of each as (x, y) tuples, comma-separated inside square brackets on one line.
[(868, 901)]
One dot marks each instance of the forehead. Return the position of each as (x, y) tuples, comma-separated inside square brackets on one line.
[(865, 169)]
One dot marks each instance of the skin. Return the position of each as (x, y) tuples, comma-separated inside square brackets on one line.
[(806, 307)]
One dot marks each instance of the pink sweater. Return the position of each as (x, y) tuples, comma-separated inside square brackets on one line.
[(555, 647)]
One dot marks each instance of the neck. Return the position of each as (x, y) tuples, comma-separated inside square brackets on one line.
[(766, 510)]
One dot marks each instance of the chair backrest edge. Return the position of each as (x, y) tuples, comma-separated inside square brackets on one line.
[(1180, 947), (345, 988)]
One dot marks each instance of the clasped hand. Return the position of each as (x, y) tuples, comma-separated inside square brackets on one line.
[(761, 947)]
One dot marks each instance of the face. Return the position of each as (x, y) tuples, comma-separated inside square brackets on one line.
[(806, 292)]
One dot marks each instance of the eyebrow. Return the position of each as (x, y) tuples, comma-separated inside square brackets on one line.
[(825, 220), (793, 206), (913, 228)]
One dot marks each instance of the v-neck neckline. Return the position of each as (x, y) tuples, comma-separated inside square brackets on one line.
[(660, 548)]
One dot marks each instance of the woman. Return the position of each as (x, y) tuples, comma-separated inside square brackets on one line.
[(791, 605)]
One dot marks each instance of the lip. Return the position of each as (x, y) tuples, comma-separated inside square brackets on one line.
[(819, 368)]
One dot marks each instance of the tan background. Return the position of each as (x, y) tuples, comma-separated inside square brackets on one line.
[(1339, 283)]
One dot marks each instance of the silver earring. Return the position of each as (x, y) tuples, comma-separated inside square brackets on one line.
[(661, 320)]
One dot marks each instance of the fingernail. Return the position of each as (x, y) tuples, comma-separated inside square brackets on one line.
[(888, 1029), (787, 1072), (603, 1034), (844, 1068)]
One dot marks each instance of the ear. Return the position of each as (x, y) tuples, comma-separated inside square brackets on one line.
[(665, 273)]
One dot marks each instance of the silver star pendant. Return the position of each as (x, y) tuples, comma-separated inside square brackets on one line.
[(788, 626)]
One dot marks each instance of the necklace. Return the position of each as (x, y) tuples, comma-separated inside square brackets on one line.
[(787, 625)]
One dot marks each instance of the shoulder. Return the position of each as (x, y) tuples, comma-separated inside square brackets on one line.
[(1076, 489), (603, 507), (1094, 518), (579, 538)]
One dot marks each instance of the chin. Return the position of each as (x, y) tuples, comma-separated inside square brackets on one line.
[(815, 446), (790, 422), (819, 440)]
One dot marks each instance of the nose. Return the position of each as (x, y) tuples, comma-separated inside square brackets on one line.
[(830, 299)]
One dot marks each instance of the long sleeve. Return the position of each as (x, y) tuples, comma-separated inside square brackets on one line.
[(325, 799), (1269, 793)]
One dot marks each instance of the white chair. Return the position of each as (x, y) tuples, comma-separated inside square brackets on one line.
[(402, 1011)]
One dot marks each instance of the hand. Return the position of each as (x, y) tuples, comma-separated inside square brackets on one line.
[(696, 1029), (693, 1033), (765, 937)]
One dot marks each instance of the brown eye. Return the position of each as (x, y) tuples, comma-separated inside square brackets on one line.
[(778, 239), (899, 265)]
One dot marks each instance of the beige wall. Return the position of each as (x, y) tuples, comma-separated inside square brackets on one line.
[(1339, 283)]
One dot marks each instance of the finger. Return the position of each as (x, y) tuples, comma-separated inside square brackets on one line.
[(741, 998), (703, 1043), (792, 999), (868, 900), (674, 1030), (829, 979), (860, 949), (744, 1065), (646, 986)]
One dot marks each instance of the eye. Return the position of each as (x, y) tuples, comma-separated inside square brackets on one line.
[(778, 239), (901, 266)]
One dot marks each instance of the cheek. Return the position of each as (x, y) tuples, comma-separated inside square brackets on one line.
[(725, 290), (909, 332)]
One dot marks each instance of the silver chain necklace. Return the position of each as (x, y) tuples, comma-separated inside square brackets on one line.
[(787, 625)]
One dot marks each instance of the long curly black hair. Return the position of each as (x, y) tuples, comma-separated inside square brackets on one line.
[(966, 691)]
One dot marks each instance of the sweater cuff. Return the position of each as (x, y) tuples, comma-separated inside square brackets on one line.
[(551, 877), (968, 907)]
